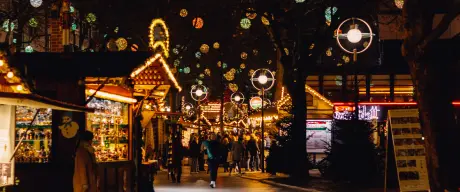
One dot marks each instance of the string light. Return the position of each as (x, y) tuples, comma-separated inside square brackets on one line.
[(110, 96), (10, 74), (164, 44)]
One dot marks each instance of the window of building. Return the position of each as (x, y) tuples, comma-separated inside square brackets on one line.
[(380, 88), (333, 87), (404, 88)]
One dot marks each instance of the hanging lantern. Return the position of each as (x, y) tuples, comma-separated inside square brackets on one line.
[(207, 72), (245, 23), (183, 13), (329, 52), (198, 55), (204, 48), (198, 23), (219, 64), (36, 3)]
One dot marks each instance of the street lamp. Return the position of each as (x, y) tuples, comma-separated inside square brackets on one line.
[(237, 99), (354, 36), (262, 80), (198, 93)]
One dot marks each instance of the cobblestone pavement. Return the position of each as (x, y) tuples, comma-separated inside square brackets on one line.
[(200, 182)]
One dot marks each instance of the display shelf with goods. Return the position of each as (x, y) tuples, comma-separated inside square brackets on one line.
[(109, 124), (6, 145), (36, 144)]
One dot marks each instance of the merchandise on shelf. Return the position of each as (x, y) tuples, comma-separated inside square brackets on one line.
[(36, 143), (109, 124)]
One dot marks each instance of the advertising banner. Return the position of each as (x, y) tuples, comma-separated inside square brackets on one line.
[(409, 150), (318, 135)]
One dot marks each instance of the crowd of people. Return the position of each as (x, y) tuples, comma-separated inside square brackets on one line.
[(233, 151)]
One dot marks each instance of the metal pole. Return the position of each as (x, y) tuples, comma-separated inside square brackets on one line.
[(262, 158), (355, 54), (199, 119)]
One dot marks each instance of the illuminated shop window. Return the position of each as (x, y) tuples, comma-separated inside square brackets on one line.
[(333, 87), (380, 88), (404, 89)]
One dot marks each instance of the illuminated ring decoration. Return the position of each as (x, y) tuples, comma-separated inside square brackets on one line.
[(270, 79), (197, 88), (363, 35), (190, 111), (164, 44), (240, 95)]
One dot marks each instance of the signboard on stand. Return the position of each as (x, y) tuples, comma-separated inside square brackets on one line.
[(255, 103), (318, 134), (409, 150)]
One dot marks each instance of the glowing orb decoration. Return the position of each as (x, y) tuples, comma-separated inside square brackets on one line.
[(29, 49), (198, 23), (199, 92), (74, 26), (201, 75), (204, 48), (399, 4), (200, 82), (207, 72), (36, 3), (354, 35), (183, 13), (329, 52), (237, 98), (328, 13), (251, 72), (175, 51), (176, 62), (255, 52), (366, 43), (244, 55), (91, 18), (198, 55), (216, 45), (198, 65), (233, 87), (72, 9), (224, 65), (187, 70), (219, 64), (299, 1), (245, 23), (264, 20), (122, 43), (269, 61), (263, 79), (346, 59), (242, 66), (33, 22), (134, 47), (19, 87), (230, 76), (251, 15), (10, 74)]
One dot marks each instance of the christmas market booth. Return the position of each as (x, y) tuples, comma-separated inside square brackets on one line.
[(29, 130)]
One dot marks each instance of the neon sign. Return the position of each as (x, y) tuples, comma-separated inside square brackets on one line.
[(366, 112)]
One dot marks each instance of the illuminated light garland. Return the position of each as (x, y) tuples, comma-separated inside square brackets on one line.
[(170, 74), (314, 92), (110, 96), (147, 64), (164, 44)]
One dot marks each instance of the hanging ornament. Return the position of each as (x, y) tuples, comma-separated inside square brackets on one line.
[(198, 55), (181, 70), (328, 13), (264, 20), (201, 75), (346, 59), (219, 64), (216, 45), (36, 3), (33, 22), (299, 1), (224, 65), (197, 65), (175, 51), (116, 29), (74, 26), (91, 18), (207, 72), (187, 70), (329, 51), (366, 43), (255, 52), (174, 70), (29, 49), (252, 15), (134, 47), (72, 9), (286, 50), (312, 46), (245, 23), (269, 61), (251, 72), (244, 55), (122, 44), (204, 48), (176, 62), (183, 13), (229, 76), (233, 87), (200, 82), (339, 64), (198, 23), (399, 4), (242, 66)]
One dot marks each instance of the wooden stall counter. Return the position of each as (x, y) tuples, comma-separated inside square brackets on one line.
[(115, 176)]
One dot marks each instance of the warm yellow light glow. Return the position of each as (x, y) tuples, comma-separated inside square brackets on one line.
[(147, 64), (10, 75), (237, 98), (164, 43), (263, 79), (199, 93), (2, 62), (170, 74), (354, 35), (110, 96), (19, 87)]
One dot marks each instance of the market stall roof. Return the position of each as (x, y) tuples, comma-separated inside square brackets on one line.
[(37, 101), (321, 105)]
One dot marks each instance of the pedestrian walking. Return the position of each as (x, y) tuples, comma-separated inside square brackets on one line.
[(225, 148), (213, 158), (253, 150), (85, 172), (194, 153), (237, 154)]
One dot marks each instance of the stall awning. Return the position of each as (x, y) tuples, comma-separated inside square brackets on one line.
[(37, 101)]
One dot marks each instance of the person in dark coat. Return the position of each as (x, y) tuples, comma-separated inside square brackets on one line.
[(194, 153), (237, 155), (213, 151), (225, 148), (253, 150)]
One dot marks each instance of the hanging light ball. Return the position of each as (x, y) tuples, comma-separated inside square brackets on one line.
[(198, 23), (134, 47), (224, 65), (207, 72), (354, 35), (269, 61), (299, 1), (183, 13), (204, 48), (265, 21), (72, 9), (251, 15), (399, 4), (245, 23), (187, 70), (91, 18), (244, 55), (328, 13), (242, 65), (251, 72), (201, 75), (10, 74), (176, 62), (33, 22), (175, 51), (36, 3), (366, 43), (122, 43), (329, 52), (198, 65), (216, 45), (219, 64), (29, 49), (198, 55), (74, 26)]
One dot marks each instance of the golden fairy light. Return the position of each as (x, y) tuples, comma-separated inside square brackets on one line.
[(163, 43), (183, 13)]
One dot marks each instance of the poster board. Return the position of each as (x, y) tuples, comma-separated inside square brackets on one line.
[(318, 134), (409, 150)]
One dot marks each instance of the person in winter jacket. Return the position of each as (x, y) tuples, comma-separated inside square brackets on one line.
[(195, 153), (85, 172), (237, 154), (213, 152), (253, 149)]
